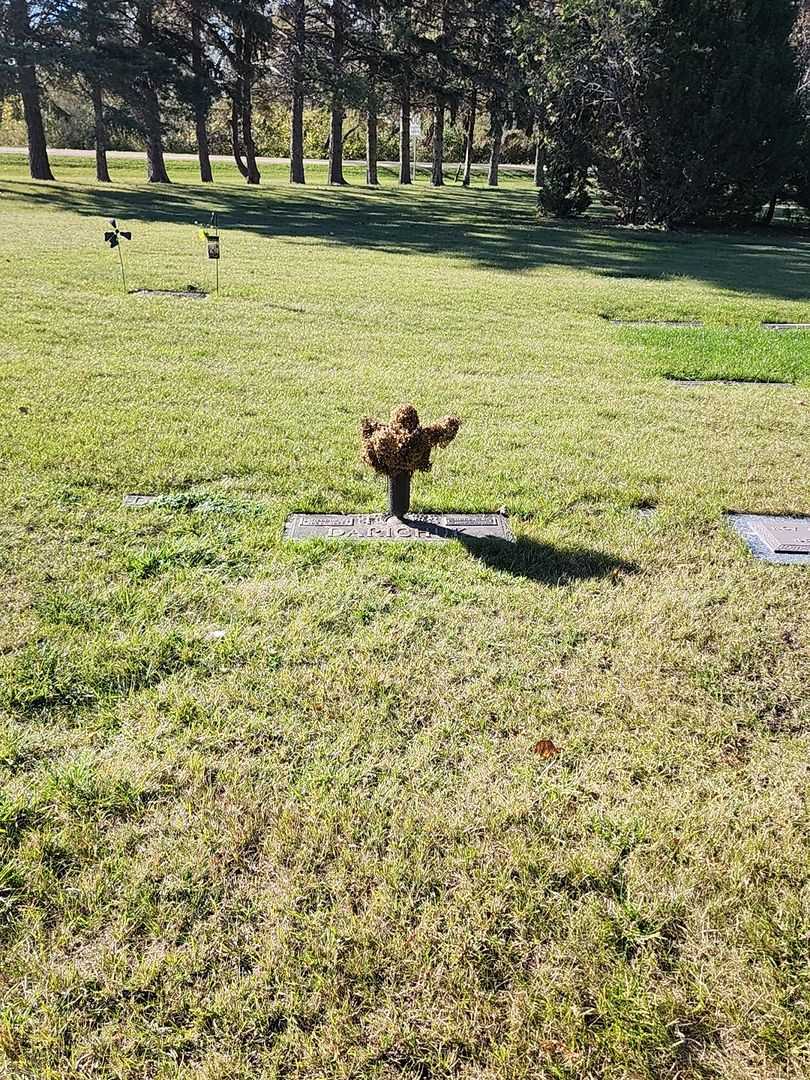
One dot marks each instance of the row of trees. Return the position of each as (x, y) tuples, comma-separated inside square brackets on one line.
[(143, 61), (679, 110)]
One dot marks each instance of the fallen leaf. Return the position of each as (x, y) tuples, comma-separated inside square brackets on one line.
[(545, 749)]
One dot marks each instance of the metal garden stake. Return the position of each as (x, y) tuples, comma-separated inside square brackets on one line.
[(113, 238), (211, 237)]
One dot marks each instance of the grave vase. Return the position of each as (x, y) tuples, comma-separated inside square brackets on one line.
[(399, 494)]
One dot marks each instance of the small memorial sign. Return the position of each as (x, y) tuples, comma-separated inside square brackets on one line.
[(434, 528), (210, 235), (774, 538)]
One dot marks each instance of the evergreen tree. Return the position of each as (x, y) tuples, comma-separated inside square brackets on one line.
[(722, 109), (553, 46)]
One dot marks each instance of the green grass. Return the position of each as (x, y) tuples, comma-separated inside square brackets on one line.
[(271, 810)]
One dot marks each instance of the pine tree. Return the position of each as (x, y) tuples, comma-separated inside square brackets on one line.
[(722, 112)]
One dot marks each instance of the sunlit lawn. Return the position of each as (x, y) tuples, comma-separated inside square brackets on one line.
[(272, 810)]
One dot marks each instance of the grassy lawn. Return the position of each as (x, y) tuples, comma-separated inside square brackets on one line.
[(272, 810)]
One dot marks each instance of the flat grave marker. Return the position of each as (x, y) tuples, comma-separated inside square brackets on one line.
[(677, 324), (774, 538), (433, 528), (677, 381), (786, 325), (183, 294)]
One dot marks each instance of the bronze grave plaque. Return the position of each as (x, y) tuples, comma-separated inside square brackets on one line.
[(784, 537), (434, 528), (774, 538)]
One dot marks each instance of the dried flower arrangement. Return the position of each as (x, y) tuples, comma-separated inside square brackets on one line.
[(401, 447)]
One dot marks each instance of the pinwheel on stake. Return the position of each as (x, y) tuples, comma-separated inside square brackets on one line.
[(113, 238), (211, 238)]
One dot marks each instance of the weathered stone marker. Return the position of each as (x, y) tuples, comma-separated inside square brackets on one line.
[(397, 450), (773, 538)]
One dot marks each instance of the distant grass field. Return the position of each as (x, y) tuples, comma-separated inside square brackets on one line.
[(272, 810)]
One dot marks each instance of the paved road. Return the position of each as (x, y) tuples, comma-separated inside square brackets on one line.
[(139, 155)]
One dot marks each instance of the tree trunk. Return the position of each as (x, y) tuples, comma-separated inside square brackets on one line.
[(153, 135), (203, 152), (297, 174), (100, 134), (437, 172), (371, 138), (236, 145), (20, 27), (405, 135), (372, 117), (38, 162), (469, 138), (242, 104), (495, 156), (538, 162), (336, 145), (253, 174), (337, 111), (769, 213), (97, 97), (297, 110), (200, 97), (145, 101)]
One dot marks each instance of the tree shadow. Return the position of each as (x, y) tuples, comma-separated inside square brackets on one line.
[(542, 562), (496, 229)]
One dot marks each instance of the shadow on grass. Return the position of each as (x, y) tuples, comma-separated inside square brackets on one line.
[(494, 228), (541, 562)]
